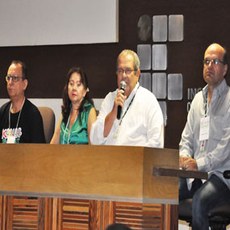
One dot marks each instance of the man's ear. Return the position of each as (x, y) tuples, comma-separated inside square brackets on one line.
[(25, 83), (138, 74), (225, 69)]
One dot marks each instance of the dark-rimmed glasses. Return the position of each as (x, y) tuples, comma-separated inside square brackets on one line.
[(126, 71), (215, 61), (13, 78)]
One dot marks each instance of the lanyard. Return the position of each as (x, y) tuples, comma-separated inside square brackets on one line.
[(204, 126), (206, 105), (128, 106), (18, 116)]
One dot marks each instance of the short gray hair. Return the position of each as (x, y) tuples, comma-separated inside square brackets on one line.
[(136, 60)]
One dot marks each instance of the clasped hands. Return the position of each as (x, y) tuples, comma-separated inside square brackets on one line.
[(188, 163)]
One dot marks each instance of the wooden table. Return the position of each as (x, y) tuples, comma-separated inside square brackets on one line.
[(86, 187)]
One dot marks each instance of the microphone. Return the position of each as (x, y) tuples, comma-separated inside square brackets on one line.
[(227, 174), (122, 87)]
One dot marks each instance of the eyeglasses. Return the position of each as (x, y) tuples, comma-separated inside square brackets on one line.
[(215, 61), (126, 71), (13, 78)]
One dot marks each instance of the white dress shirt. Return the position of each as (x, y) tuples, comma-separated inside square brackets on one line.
[(141, 122), (214, 156)]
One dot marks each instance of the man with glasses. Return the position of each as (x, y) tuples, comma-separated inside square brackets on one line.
[(205, 141), (20, 120), (130, 115)]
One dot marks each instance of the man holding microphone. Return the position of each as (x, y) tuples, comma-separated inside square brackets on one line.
[(130, 115)]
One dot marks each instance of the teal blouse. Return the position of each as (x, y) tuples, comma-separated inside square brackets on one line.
[(78, 133)]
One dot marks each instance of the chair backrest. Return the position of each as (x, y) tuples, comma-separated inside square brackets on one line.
[(48, 118)]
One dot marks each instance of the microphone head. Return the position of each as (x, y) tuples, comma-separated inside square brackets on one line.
[(123, 85), (227, 174)]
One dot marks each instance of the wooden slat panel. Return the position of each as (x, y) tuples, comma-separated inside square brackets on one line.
[(101, 214), (139, 216), (67, 214), (95, 213), (45, 213), (25, 213), (2, 212), (153, 216), (108, 213), (74, 214)]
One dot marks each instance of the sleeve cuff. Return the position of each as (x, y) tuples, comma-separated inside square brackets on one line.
[(201, 164)]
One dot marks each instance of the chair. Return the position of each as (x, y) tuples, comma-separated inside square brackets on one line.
[(48, 118), (219, 218)]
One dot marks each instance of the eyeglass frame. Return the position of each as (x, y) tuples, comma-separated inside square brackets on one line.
[(14, 78), (127, 71), (215, 61)]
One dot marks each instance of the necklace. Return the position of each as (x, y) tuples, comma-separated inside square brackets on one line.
[(68, 131)]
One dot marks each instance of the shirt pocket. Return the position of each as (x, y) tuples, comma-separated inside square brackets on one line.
[(217, 127)]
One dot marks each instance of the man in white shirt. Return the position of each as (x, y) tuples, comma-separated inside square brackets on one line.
[(205, 141), (141, 119)]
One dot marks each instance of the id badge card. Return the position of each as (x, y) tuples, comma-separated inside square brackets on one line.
[(204, 128), (11, 139)]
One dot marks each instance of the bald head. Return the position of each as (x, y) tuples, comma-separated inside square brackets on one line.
[(217, 49), (215, 65)]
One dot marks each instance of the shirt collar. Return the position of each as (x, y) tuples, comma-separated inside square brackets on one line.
[(218, 91), (131, 95)]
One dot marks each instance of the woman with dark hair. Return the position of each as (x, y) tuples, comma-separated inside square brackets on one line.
[(78, 112)]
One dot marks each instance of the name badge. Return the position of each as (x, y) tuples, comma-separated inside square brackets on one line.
[(11, 139), (204, 128)]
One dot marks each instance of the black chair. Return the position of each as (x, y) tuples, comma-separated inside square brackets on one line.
[(219, 218)]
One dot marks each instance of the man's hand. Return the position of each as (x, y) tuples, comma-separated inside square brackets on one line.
[(188, 163), (111, 117), (120, 98)]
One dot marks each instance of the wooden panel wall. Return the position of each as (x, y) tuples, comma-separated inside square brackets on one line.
[(31, 213)]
